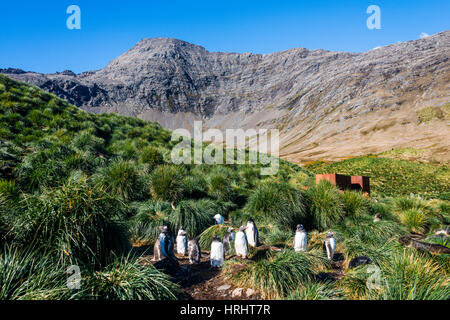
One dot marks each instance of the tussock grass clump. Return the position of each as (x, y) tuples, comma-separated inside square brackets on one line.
[(250, 175), (277, 276), (382, 208), (415, 219), (408, 276), (355, 204), (151, 156), (272, 235), (354, 284), (86, 141), (418, 215), (375, 233), (127, 279), (77, 222), (150, 215), (121, 178), (354, 247), (375, 240), (42, 169), (195, 186), (412, 276), (278, 202), (316, 291), (406, 203), (194, 216), (28, 275), (166, 183), (206, 236), (220, 187), (8, 189), (326, 208)]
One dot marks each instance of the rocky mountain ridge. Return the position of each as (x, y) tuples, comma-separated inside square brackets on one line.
[(327, 105)]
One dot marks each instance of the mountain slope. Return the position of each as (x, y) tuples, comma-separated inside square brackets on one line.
[(326, 104)]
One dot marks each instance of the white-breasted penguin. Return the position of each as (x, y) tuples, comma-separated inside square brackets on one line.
[(182, 242), (377, 217), (194, 251), (216, 255), (229, 236), (252, 233), (157, 250), (241, 243), (219, 219), (300, 239), (330, 245), (167, 243)]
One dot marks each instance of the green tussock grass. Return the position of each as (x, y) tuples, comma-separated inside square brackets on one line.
[(127, 279), (277, 276), (205, 238), (326, 207), (279, 202), (408, 276), (316, 291)]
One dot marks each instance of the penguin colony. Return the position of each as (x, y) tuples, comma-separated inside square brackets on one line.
[(245, 236)]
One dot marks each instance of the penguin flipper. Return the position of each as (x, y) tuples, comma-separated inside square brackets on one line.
[(329, 249)]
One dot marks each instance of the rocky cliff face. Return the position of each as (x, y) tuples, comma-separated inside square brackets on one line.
[(326, 104)]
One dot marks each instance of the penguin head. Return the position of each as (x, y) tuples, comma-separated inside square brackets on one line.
[(215, 238), (251, 219), (164, 229), (242, 228), (300, 227), (330, 234), (181, 228), (230, 229)]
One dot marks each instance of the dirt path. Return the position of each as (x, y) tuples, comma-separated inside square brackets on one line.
[(209, 284), (200, 282)]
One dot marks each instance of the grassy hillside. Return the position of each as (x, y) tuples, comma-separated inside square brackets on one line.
[(79, 189), (393, 177)]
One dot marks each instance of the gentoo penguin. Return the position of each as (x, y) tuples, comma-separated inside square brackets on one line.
[(252, 233), (216, 255), (181, 242), (166, 243), (219, 219), (300, 239), (229, 236), (240, 243), (377, 217), (330, 245), (194, 251)]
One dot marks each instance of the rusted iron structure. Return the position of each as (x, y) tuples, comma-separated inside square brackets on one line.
[(343, 182), (361, 183)]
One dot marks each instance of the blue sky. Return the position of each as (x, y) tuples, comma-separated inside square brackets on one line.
[(34, 36)]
